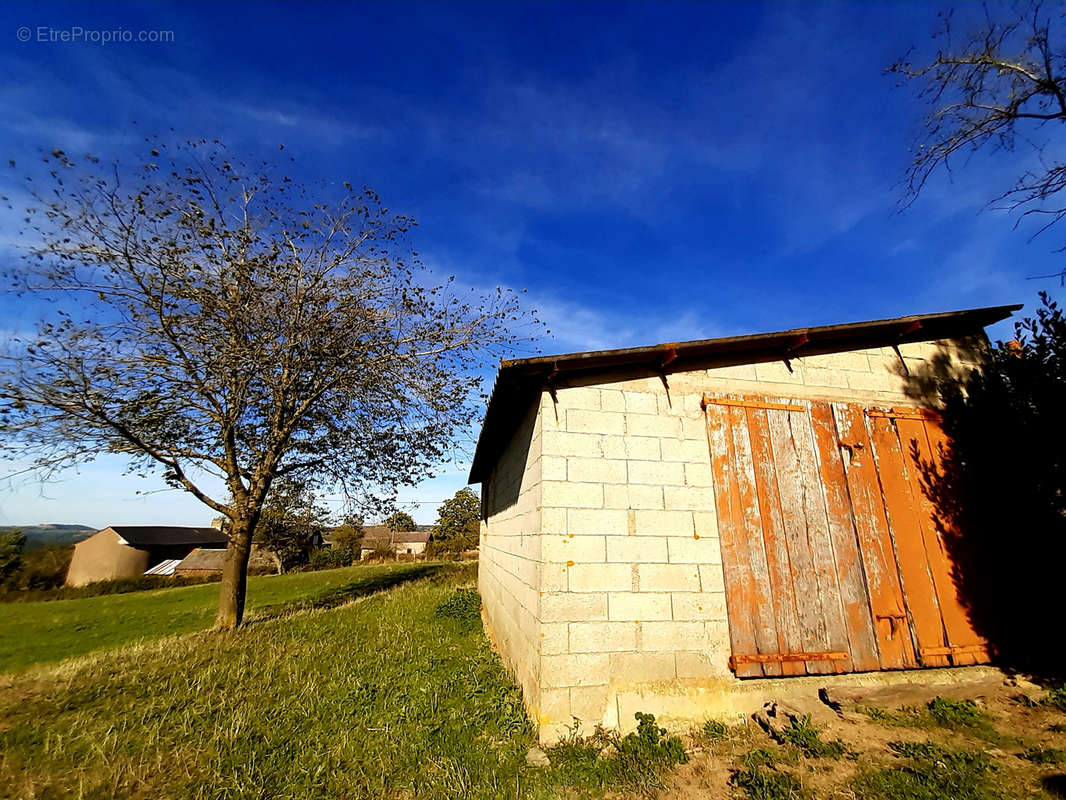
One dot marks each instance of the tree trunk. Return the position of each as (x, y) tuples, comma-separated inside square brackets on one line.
[(234, 576)]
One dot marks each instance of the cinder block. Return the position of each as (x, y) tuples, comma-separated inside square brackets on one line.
[(688, 550), (668, 577), (585, 398), (642, 667), (696, 498), (712, 578), (578, 549), (581, 669), (602, 637), (636, 549), (569, 607), (572, 495), (643, 496), (706, 524), (833, 378), (876, 382), (663, 523), (699, 606), (612, 400), (554, 638), (671, 636), (566, 443), (604, 521), (657, 473), (553, 520), (583, 421), (641, 403), (600, 578), (638, 607), (553, 468), (589, 703), (553, 577), (684, 450), (642, 448), (652, 425), (596, 470), (777, 372), (698, 475), (702, 665), (742, 372), (553, 706)]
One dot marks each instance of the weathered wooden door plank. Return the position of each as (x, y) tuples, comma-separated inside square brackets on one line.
[(811, 615), (875, 544), (738, 585), (850, 577), (766, 635), (779, 563), (902, 512)]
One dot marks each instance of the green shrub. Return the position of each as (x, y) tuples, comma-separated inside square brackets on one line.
[(332, 558), (462, 606), (807, 738), (141, 583)]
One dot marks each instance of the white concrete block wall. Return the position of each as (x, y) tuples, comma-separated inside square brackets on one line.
[(630, 602), (511, 570)]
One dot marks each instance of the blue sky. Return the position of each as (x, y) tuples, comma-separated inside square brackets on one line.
[(648, 171)]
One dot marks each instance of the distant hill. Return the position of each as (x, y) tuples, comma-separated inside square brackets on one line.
[(44, 535)]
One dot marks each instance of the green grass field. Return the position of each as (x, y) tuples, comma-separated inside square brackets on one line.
[(46, 632), (374, 699)]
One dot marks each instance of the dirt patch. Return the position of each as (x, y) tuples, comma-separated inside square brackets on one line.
[(993, 737)]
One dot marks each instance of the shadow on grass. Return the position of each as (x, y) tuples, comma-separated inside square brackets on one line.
[(1055, 785), (339, 595)]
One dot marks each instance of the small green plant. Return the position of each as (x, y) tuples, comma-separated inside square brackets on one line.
[(1045, 755), (635, 762), (713, 730), (759, 778), (934, 773), (954, 713), (462, 606), (807, 738), (1056, 698)]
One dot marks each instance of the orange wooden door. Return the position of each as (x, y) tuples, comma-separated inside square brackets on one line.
[(903, 441), (795, 590), (832, 554)]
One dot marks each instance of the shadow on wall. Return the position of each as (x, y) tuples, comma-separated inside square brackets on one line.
[(1000, 489), (504, 486)]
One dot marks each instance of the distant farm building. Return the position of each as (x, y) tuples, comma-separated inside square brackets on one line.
[(128, 551), (205, 562), (662, 522), (377, 538)]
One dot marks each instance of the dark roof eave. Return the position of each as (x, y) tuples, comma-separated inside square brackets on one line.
[(517, 379)]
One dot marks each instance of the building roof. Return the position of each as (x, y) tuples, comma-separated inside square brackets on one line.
[(164, 567), (382, 533), (519, 380), (203, 558), (164, 535)]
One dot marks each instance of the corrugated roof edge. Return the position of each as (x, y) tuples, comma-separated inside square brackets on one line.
[(517, 379)]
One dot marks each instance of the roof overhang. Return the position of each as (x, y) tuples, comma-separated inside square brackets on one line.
[(518, 381)]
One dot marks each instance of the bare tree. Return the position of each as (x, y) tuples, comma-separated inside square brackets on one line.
[(996, 86), (213, 318)]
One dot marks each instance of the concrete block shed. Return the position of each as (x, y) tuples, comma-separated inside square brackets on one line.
[(674, 529)]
